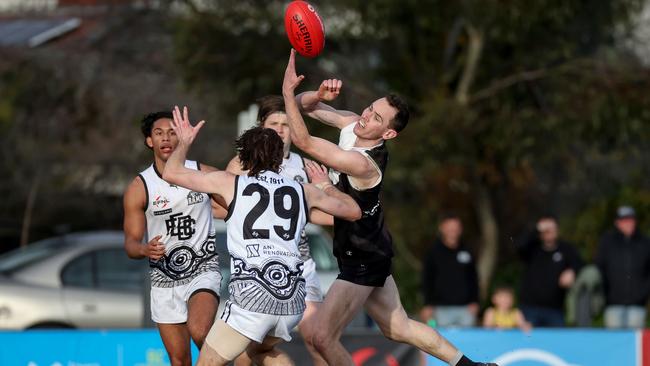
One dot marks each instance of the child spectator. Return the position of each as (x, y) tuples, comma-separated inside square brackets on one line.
[(503, 314)]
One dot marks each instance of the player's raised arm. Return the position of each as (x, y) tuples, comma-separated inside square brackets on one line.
[(350, 162), (219, 182), (311, 103)]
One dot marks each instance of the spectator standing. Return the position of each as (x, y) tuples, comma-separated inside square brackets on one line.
[(449, 279), (624, 262), (551, 265)]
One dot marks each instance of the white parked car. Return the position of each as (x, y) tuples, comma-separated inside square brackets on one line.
[(85, 280)]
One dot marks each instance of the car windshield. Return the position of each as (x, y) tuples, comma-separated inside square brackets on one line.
[(21, 257)]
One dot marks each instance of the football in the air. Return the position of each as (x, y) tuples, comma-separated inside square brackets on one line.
[(304, 28)]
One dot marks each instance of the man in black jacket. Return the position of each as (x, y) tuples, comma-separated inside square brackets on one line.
[(550, 269), (449, 279), (624, 262)]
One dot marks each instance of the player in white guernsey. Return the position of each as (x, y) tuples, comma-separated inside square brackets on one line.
[(176, 225), (271, 115), (266, 213)]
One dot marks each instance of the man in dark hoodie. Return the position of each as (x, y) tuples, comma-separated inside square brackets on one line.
[(449, 279), (550, 268), (624, 262)]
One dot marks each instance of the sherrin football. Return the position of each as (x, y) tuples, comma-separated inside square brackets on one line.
[(304, 28)]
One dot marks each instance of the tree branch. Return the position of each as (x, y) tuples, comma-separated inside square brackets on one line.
[(473, 58)]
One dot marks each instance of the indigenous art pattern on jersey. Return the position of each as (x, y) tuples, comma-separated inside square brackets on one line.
[(184, 220)]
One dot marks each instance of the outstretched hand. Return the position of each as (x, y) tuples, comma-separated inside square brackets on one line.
[(329, 89), (185, 132), (291, 80), (316, 173)]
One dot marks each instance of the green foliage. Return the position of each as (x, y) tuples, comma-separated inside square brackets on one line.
[(533, 102)]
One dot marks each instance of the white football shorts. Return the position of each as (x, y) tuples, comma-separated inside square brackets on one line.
[(169, 305)]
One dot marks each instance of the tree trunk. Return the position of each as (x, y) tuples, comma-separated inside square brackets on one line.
[(29, 208), (469, 71), (490, 239)]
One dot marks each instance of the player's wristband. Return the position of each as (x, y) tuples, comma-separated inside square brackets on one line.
[(323, 185)]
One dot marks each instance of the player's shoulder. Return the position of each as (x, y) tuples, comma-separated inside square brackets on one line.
[(135, 191)]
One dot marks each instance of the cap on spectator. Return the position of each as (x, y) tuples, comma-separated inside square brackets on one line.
[(625, 212)]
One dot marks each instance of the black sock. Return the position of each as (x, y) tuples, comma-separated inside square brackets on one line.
[(464, 361)]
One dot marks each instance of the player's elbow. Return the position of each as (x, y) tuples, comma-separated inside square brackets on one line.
[(302, 142), (354, 214)]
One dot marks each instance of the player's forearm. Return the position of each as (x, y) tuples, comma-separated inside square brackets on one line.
[(134, 249), (307, 101), (299, 134), (353, 211), (175, 165)]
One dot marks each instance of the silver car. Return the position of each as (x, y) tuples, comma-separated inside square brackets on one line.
[(85, 280)]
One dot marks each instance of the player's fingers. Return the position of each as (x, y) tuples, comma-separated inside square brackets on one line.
[(292, 59), (186, 115), (175, 114), (311, 165), (199, 125), (323, 168), (339, 85)]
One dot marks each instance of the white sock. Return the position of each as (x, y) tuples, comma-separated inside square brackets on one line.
[(456, 358)]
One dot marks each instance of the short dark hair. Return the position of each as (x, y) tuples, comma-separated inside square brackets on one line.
[(401, 119), (146, 124), (260, 149), (504, 288), (267, 106), (449, 216)]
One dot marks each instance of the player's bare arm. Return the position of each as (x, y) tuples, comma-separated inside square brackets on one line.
[(352, 163), (215, 182), (322, 195), (311, 103), (135, 224), (218, 203), (234, 166)]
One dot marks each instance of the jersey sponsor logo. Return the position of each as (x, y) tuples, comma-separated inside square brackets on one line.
[(162, 212), (253, 250), (160, 202), (557, 257), (299, 179), (194, 197), (181, 226), (372, 211)]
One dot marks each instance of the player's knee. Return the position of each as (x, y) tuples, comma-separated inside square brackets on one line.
[(307, 333), (198, 332), (179, 359), (321, 339)]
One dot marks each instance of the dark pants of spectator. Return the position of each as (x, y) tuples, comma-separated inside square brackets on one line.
[(543, 317)]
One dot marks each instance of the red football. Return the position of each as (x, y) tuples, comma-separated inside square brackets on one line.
[(304, 28)]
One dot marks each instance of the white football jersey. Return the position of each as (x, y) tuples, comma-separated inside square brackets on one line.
[(263, 223), (347, 138), (294, 168), (184, 219)]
